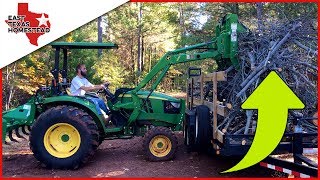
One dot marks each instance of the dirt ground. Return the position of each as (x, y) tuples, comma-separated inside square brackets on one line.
[(125, 158)]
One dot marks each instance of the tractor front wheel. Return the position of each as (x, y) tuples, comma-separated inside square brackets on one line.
[(64, 137), (160, 144)]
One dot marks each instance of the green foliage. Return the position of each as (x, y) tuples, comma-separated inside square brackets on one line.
[(21, 79), (108, 68)]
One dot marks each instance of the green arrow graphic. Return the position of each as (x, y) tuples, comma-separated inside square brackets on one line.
[(272, 98)]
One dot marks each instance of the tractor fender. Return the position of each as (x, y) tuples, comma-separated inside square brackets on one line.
[(78, 102)]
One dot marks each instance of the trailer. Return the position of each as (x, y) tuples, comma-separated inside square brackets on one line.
[(300, 165), (203, 131)]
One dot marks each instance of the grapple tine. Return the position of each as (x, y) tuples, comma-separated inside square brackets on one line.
[(11, 138), (24, 130), (7, 143), (29, 128), (18, 134), (6, 139)]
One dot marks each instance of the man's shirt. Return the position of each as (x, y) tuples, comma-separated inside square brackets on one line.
[(78, 82)]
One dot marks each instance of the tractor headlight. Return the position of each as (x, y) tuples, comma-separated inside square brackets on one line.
[(171, 107)]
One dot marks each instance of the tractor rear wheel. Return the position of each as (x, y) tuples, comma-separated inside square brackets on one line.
[(64, 137), (160, 144)]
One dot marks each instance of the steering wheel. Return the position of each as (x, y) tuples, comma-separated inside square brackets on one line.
[(105, 88)]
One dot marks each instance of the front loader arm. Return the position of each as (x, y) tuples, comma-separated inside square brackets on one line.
[(172, 58), (223, 48)]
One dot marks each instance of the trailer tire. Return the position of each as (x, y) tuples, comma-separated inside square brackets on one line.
[(203, 129), (160, 144), (64, 137), (189, 133)]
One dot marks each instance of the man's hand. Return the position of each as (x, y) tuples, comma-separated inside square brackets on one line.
[(106, 84)]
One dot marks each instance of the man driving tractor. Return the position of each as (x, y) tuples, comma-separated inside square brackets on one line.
[(80, 85)]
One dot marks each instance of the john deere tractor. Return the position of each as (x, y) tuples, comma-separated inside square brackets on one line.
[(66, 130)]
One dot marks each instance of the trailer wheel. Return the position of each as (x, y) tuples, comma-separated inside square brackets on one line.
[(64, 137), (160, 144), (189, 133), (203, 129), (186, 134)]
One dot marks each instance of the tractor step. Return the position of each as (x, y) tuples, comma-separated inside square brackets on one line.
[(114, 129), (118, 137)]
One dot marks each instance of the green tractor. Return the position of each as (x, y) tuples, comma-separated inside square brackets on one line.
[(66, 130)]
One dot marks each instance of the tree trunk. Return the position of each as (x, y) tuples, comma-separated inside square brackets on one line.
[(181, 22), (259, 15), (150, 58), (6, 83), (139, 38), (142, 53), (132, 59), (11, 87), (99, 35)]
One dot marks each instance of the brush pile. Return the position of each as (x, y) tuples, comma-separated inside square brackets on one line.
[(290, 49)]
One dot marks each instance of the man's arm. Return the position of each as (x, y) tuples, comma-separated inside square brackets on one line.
[(92, 88), (88, 86)]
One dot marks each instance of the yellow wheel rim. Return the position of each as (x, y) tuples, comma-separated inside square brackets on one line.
[(62, 140), (160, 146)]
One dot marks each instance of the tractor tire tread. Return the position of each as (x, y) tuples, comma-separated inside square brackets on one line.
[(204, 128), (159, 131), (73, 114)]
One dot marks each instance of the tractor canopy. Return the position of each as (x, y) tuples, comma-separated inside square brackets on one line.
[(65, 46), (83, 45)]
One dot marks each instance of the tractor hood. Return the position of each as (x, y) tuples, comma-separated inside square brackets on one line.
[(157, 95)]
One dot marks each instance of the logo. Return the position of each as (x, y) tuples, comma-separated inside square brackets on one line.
[(32, 24)]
